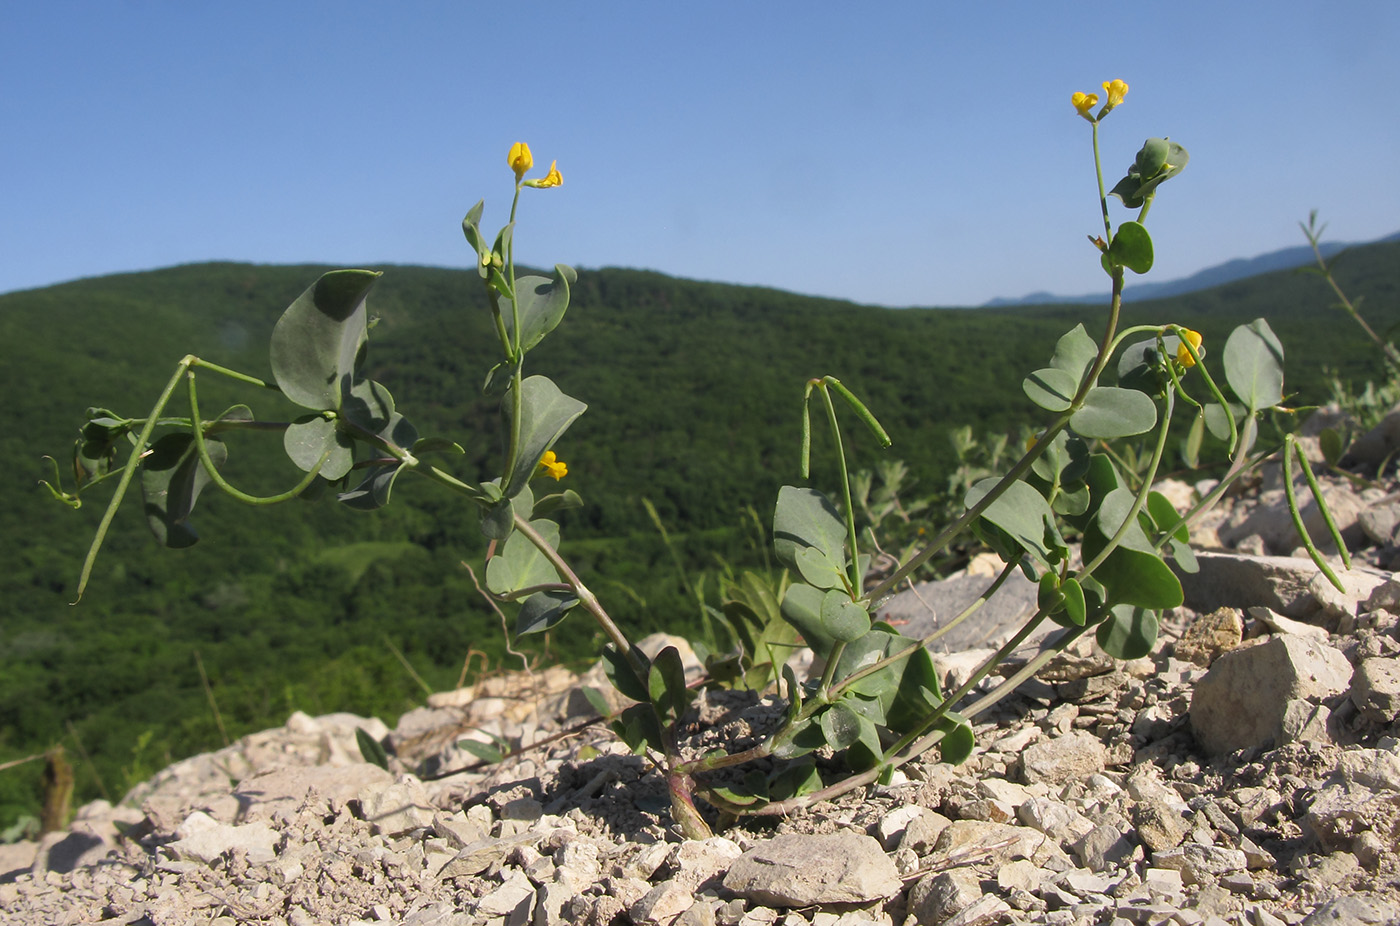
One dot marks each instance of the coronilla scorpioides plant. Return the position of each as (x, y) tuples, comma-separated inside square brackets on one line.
[(873, 698)]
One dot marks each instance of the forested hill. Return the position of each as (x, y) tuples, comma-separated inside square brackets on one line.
[(694, 396)]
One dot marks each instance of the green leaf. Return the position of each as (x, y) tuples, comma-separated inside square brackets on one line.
[(1113, 512), (797, 780), (172, 477), (752, 793), (1050, 388), (798, 739), (436, 445), (805, 518), (1332, 445), (317, 344), (557, 501), (638, 727), (374, 490), (1129, 632), (371, 750), (542, 304), (370, 407), (905, 690), (666, 688), (840, 725), (1253, 360), (1165, 515), (842, 619), (1075, 353), (1022, 513), (483, 751), (1110, 412), (545, 414), (619, 671), (597, 700), (1137, 578), (1159, 160), (498, 521), (519, 564), (307, 438), (802, 608), (816, 569), (1131, 247), (958, 741), (543, 610)]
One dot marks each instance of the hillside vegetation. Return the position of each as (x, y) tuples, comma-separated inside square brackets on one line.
[(694, 392)]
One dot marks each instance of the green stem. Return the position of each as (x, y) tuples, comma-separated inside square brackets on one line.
[(197, 430), (1289, 449), (850, 511), (1103, 197), (128, 471), (585, 596), (1140, 499)]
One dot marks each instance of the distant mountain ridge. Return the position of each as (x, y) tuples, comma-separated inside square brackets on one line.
[(1228, 272)]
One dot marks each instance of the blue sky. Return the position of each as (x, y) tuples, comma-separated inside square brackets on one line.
[(918, 153)]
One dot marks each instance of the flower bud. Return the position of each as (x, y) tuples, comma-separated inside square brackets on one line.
[(520, 159)]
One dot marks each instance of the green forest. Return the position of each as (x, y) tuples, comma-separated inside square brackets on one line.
[(694, 393)]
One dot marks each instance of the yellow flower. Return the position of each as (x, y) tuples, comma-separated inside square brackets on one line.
[(1116, 90), (1183, 355), (1083, 102), (553, 466), (553, 178), (520, 159)]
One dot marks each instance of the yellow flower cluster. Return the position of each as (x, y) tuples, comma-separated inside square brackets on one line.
[(1183, 355), (521, 160), (553, 467), (1085, 102)]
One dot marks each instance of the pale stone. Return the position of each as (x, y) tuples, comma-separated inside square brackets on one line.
[(1234, 580), (1240, 703), (1277, 623), (660, 905), (1072, 757), (397, 807), (1197, 862), (1375, 689), (936, 897), (797, 870)]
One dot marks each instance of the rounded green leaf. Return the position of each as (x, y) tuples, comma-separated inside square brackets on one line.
[(545, 414), (1253, 359), (306, 439), (807, 518), (172, 476), (1129, 633), (317, 343), (1050, 388), (543, 610), (842, 619), (840, 725), (1131, 247), (1110, 412), (958, 740)]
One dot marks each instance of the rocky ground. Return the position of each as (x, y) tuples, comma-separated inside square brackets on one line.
[(1246, 773)]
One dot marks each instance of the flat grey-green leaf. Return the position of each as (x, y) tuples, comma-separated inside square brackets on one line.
[(172, 477), (543, 610), (840, 725), (317, 343), (542, 304), (1253, 360), (1109, 412), (1129, 633), (1021, 512), (814, 567), (806, 518), (842, 619), (519, 564), (374, 490), (545, 414), (802, 608), (1050, 388), (1132, 247), (307, 438)]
